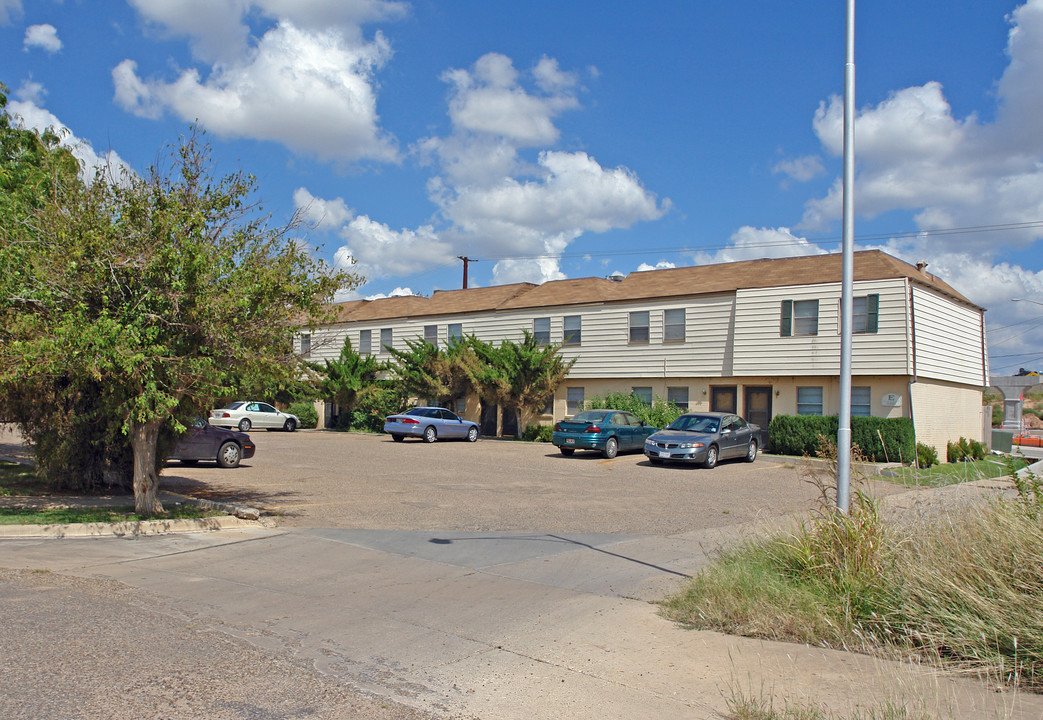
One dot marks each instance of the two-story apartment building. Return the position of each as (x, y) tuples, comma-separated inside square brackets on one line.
[(758, 337)]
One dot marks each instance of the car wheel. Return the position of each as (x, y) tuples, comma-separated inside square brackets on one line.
[(611, 448), (229, 455), (244, 425), (430, 434), (396, 437), (290, 425), (711, 457), (189, 462), (655, 461), (751, 452), (472, 434), (567, 452)]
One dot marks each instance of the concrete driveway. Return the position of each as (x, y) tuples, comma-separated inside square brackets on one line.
[(495, 580)]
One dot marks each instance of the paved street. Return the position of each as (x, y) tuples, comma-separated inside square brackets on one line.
[(495, 581)]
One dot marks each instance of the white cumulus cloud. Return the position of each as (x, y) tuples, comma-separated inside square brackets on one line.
[(306, 83), (493, 202), (913, 154), (44, 37), (661, 265), (37, 118)]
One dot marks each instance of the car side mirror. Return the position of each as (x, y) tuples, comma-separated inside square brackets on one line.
[(726, 431)]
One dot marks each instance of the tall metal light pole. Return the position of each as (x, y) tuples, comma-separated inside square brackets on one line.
[(846, 313)]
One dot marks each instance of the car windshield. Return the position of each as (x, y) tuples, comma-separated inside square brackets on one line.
[(696, 423), (591, 416), (235, 405)]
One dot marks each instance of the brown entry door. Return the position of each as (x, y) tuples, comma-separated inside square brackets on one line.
[(758, 406)]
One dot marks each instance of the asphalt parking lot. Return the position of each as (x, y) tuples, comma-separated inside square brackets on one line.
[(349, 480)]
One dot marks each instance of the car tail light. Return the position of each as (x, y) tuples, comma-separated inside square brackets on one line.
[(409, 421), (222, 414), (557, 427), (592, 429)]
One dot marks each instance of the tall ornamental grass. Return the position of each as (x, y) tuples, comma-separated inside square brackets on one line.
[(963, 590)]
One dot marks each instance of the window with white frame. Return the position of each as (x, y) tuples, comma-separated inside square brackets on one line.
[(306, 345), (456, 333), (431, 334), (678, 396), (387, 339), (639, 326), (573, 400), (541, 330), (865, 311), (573, 330), (548, 409), (674, 325), (799, 317), (809, 400), (365, 342), (861, 402), (644, 394), (460, 405)]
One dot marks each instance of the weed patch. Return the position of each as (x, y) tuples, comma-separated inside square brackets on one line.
[(962, 591)]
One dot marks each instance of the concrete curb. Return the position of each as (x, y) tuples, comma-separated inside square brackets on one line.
[(123, 529)]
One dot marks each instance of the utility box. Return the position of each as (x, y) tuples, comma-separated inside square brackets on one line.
[(1002, 440)]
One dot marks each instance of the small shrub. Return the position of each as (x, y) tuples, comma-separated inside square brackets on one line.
[(538, 433), (659, 414), (978, 450), (926, 456), (305, 411), (964, 450)]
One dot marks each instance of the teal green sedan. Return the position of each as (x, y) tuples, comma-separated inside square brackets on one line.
[(606, 431)]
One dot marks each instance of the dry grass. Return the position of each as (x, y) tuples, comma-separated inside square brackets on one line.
[(962, 591)]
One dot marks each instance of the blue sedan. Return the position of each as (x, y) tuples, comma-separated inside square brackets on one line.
[(430, 424), (607, 431)]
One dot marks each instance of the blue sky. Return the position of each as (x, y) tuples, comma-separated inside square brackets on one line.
[(570, 139)]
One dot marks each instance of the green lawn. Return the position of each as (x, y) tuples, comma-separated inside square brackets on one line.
[(62, 516), (953, 473), (18, 479), (21, 480)]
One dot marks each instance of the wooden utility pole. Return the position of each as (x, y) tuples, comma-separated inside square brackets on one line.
[(466, 260)]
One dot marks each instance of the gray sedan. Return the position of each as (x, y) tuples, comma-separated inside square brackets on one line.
[(430, 424), (705, 438)]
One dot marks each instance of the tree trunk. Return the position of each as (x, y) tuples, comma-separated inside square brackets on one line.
[(143, 437), (519, 427)]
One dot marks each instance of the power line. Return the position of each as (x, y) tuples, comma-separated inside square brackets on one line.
[(826, 240)]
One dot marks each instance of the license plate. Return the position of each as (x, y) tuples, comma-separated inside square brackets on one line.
[(570, 441), (664, 454)]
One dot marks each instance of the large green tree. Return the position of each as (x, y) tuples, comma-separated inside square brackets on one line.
[(165, 291), (350, 379), (521, 377), (427, 372)]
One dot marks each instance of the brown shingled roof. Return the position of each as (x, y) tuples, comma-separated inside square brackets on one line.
[(674, 282), (771, 272)]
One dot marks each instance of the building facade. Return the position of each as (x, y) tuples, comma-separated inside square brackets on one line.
[(758, 337)]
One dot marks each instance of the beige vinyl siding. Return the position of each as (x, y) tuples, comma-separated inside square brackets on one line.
[(948, 339), (606, 352), (945, 412), (761, 350)]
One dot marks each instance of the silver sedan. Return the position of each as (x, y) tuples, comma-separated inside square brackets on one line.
[(430, 424), (705, 438)]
